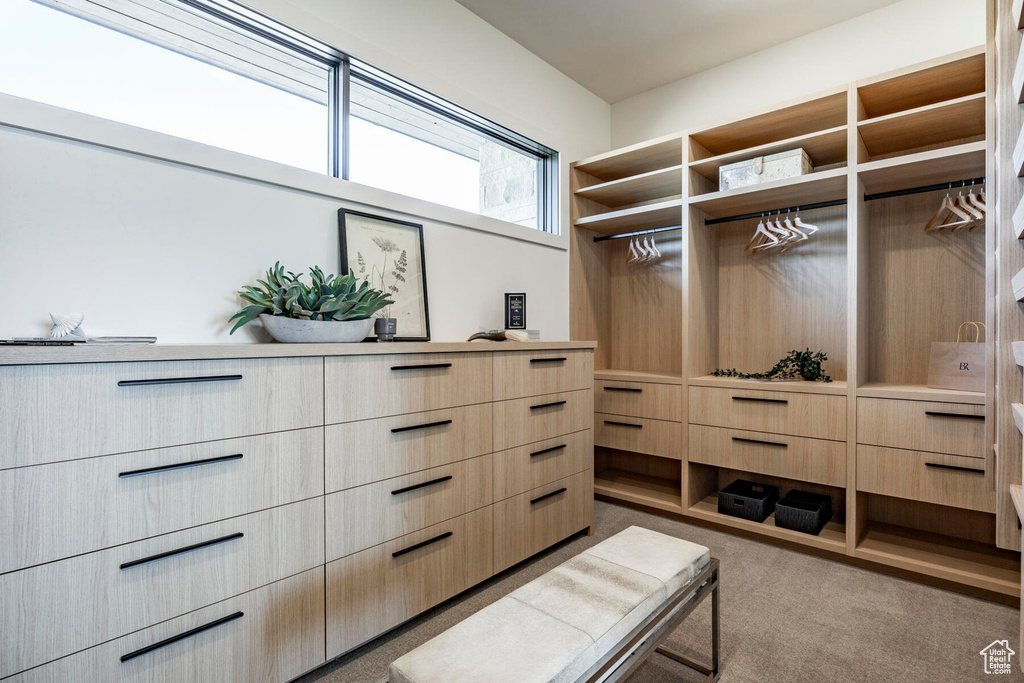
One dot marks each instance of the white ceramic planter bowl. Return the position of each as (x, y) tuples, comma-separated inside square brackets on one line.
[(296, 331)]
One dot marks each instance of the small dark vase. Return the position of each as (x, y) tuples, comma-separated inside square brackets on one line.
[(385, 329), (810, 370)]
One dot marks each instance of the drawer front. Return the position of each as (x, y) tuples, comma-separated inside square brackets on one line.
[(371, 450), (531, 373), (530, 522), (640, 435), (279, 635), (379, 588), (818, 416), (639, 399), (929, 477), (64, 412), (367, 515), (50, 512), (791, 457), (66, 606), (527, 420), (954, 428), (364, 387), (527, 467)]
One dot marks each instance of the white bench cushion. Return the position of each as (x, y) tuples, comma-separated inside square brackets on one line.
[(556, 627)]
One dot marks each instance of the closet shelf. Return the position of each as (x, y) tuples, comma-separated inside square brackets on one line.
[(837, 387), (1017, 157), (1017, 81), (1018, 352), (635, 160), (943, 557), (1015, 494), (666, 182), (924, 168), (1018, 416), (1017, 285), (1018, 220), (1017, 12), (825, 148), (822, 186), (643, 489), (832, 537), (934, 124), (659, 215), (918, 392), (955, 76), (638, 376)]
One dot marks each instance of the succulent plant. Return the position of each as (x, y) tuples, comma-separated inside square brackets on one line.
[(329, 297)]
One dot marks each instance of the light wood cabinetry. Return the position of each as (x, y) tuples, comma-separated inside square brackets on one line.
[(811, 415), (637, 399), (957, 429), (929, 477), (190, 519), (640, 435)]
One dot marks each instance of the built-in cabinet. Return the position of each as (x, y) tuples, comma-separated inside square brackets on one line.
[(911, 470)]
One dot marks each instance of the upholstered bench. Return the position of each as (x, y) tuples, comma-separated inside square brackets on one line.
[(594, 617)]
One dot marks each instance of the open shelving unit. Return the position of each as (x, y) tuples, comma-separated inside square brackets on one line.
[(832, 537)]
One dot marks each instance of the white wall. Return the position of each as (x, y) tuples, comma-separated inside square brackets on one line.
[(143, 246), (890, 38)]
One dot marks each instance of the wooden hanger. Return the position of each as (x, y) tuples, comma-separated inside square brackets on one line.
[(761, 237), (938, 221), (977, 216)]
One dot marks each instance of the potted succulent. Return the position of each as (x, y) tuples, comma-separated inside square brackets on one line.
[(331, 309)]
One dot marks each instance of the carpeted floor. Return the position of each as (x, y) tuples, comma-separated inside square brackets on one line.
[(786, 617)]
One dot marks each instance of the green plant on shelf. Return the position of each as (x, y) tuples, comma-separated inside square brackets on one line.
[(805, 365)]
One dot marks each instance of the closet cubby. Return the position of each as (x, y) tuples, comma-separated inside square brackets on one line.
[(643, 479)]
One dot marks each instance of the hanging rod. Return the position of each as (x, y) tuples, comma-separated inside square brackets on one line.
[(970, 182), (639, 232), (759, 214)]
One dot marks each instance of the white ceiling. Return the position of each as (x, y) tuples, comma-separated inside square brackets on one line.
[(619, 48)]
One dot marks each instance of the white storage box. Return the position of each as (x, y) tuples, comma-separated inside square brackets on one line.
[(765, 169)]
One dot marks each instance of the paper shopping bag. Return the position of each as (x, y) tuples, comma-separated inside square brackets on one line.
[(958, 365)]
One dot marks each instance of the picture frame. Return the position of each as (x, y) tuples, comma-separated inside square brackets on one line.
[(389, 253)]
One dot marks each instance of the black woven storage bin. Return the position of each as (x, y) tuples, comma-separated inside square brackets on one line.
[(808, 497), (748, 499), (799, 515)]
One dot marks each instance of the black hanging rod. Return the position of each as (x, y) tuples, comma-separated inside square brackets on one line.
[(759, 214), (638, 232), (970, 182)]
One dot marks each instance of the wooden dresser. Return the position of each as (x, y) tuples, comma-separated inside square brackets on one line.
[(248, 512)]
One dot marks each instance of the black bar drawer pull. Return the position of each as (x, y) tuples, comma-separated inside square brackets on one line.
[(548, 450), (428, 366), (958, 468), (177, 380), (760, 400), (548, 360), (181, 465), (759, 441), (421, 544), (181, 636), (427, 425), (179, 551), (548, 405), (406, 489), (939, 413), (623, 424), (629, 389), (548, 495)]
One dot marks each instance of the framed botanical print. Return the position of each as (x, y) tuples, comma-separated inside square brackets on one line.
[(389, 254)]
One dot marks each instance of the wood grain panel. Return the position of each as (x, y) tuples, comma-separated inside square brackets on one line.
[(639, 435), (908, 424), (527, 467), (907, 474), (530, 374), (527, 420), (656, 401), (812, 415)]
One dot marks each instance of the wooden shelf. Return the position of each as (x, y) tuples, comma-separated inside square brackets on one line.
[(1018, 220), (666, 182), (663, 494), (1017, 80), (635, 160), (943, 557), (951, 77), (822, 186), (917, 392), (1017, 156), (1017, 285), (1016, 494), (638, 376), (825, 148), (1017, 12), (959, 162), (660, 215), (1018, 352), (832, 537), (1018, 416), (934, 124), (837, 387)]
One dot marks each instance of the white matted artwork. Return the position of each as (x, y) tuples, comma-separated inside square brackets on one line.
[(389, 254)]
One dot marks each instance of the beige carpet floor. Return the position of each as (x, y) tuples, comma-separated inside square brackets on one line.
[(786, 617)]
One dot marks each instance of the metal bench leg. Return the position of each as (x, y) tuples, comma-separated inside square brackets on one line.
[(711, 672)]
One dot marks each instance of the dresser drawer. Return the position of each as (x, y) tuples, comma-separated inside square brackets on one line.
[(526, 420), (531, 373), (364, 516), (64, 412), (819, 416), (929, 477), (790, 457), (50, 512), (640, 435), (379, 588), (527, 467), (954, 428), (639, 399), (530, 522), (371, 450), (362, 387), (271, 634), (66, 606)]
